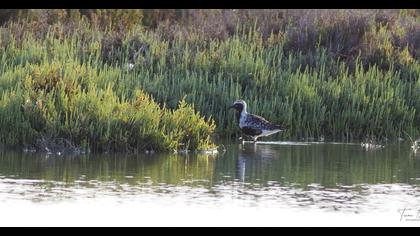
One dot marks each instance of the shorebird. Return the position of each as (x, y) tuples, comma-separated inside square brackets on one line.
[(253, 125)]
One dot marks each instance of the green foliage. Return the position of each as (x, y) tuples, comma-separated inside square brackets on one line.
[(186, 128), (55, 93), (338, 74)]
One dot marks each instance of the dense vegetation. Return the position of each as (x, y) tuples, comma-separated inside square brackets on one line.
[(341, 74)]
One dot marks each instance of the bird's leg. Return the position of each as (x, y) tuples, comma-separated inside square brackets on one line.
[(242, 140)]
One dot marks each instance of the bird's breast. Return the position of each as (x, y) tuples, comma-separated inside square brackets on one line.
[(242, 120)]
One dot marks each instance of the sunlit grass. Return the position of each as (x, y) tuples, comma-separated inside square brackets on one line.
[(75, 84), (52, 93)]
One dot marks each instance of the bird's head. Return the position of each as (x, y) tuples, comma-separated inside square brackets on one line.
[(239, 105)]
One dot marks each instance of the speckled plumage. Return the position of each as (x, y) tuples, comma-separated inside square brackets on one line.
[(253, 125)]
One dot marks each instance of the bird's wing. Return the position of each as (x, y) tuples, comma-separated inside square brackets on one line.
[(251, 131), (261, 123)]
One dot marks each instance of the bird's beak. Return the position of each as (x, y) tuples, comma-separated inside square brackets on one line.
[(233, 106)]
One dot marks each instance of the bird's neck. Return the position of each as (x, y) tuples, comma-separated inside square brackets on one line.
[(243, 111), (240, 114)]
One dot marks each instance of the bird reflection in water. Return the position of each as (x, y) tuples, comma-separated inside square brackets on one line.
[(254, 157)]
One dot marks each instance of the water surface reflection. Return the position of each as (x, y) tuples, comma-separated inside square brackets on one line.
[(331, 177)]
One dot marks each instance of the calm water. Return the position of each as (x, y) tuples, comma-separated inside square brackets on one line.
[(284, 181)]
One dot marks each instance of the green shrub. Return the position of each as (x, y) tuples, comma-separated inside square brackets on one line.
[(334, 73)]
